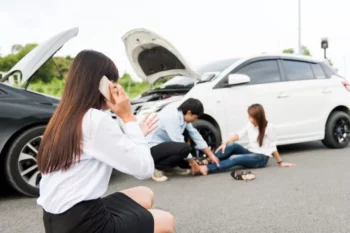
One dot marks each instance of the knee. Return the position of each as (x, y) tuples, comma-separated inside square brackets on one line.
[(148, 195), (169, 227), (164, 222)]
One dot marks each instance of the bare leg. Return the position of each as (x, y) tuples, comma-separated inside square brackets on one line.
[(164, 222), (142, 195)]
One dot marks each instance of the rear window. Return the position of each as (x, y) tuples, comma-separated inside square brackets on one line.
[(297, 70), (318, 71)]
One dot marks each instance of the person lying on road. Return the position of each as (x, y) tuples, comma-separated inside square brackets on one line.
[(168, 147), (262, 145)]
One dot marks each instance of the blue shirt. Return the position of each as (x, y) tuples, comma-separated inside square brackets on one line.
[(171, 128)]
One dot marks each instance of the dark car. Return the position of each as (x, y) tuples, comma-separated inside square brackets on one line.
[(24, 115)]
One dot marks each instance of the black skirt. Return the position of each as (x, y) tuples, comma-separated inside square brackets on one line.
[(116, 213)]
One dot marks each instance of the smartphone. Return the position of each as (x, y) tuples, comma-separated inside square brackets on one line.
[(104, 88)]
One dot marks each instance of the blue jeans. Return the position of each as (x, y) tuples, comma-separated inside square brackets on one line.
[(237, 155)]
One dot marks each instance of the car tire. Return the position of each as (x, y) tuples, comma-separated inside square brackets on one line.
[(17, 171), (330, 139), (214, 138)]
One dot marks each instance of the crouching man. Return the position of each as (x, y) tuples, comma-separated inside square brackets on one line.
[(168, 147)]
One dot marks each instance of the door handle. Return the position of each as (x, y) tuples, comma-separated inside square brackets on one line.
[(282, 95), (326, 91)]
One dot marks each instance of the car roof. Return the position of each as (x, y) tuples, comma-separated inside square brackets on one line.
[(288, 56)]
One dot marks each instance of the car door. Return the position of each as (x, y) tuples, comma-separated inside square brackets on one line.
[(266, 87), (306, 97)]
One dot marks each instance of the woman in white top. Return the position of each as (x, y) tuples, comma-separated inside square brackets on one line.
[(81, 146), (262, 145)]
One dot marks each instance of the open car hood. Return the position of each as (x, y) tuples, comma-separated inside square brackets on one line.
[(152, 57), (30, 63)]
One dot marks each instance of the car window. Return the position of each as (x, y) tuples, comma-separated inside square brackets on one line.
[(318, 71), (296, 70), (261, 72)]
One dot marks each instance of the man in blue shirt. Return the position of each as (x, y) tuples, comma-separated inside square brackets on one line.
[(168, 147)]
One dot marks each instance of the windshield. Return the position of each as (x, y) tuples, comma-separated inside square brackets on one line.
[(179, 81), (216, 67)]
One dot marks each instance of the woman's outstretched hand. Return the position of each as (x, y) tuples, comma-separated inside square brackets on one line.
[(222, 147), (287, 164), (120, 104), (149, 123)]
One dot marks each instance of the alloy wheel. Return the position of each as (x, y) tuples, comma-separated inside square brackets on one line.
[(27, 163), (342, 131)]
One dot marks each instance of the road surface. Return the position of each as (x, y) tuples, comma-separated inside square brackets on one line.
[(312, 197)]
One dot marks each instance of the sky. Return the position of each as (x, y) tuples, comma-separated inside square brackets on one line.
[(203, 31)]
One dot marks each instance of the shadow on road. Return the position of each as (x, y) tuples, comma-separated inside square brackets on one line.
[(301, 147), (6, 192)]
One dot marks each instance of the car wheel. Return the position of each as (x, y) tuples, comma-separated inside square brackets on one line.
[(209, 133), (337, 133), (21, 166)]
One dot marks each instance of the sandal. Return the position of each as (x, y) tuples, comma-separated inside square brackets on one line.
[(204, 161), (242, 175)]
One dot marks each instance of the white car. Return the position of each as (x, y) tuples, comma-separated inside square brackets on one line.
[(303, 97)]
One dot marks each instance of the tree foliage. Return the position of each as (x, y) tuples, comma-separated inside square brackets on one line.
[(48, 79), (305, 51), (290, 51), (46, 73)]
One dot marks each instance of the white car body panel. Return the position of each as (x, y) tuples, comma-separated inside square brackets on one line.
[(138, 40)]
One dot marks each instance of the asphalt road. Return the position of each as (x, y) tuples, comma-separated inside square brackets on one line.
[(312, 197)]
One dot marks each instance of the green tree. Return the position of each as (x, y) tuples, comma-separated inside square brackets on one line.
[(290, 51), (16, 48), (305, 51), (46, 72)]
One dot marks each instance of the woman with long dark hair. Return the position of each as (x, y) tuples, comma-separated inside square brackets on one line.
[(262, 145), (81, 146)]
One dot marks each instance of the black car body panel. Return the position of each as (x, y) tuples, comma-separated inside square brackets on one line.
[(21, 109)]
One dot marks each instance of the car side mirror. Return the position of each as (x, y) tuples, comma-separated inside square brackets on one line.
[(236, 79)]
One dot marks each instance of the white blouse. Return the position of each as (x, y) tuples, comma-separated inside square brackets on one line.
[(105, 146), (269, 141)]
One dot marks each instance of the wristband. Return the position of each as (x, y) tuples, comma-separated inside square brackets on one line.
[(280, 162)]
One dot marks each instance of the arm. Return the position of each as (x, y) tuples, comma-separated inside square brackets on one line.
[(127, 152), (273, 141), (236, 136), (201, 144)]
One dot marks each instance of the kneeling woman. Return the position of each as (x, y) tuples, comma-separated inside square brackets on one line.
[(81, 146), (262, 145)]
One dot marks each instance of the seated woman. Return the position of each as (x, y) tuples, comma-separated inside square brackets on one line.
[(262, 145), (81, 146)]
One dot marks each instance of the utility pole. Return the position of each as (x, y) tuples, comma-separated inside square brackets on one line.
[(299, 27)]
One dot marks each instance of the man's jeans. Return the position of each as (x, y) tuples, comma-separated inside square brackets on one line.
[(237, 155)]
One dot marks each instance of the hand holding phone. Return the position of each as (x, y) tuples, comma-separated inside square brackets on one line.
[(104, 88), (119, 102)]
